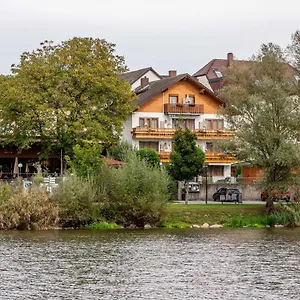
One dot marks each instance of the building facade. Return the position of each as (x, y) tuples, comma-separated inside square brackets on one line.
[(179, 101)]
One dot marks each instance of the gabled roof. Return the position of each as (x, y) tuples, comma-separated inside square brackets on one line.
[(209, 70), (156, 87), (133, 76)]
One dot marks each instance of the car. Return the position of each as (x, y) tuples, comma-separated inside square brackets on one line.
[(281, 194), (228, 195)]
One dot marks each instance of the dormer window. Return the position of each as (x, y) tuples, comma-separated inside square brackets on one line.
[(218, 73)]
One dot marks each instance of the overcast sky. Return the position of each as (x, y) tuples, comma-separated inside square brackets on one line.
[(166, 34)]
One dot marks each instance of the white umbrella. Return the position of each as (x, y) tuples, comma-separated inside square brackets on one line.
[(27, 168), (16, 168)]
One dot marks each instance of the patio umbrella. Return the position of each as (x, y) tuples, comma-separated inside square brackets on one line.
[(16, 168), (27, 168)]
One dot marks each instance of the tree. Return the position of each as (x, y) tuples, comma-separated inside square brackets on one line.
[(149, 155), (62, 95), (264, 110), (186, 159)]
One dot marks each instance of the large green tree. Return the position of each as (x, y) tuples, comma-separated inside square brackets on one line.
[(186, 158), (264, 110), (61, 95)]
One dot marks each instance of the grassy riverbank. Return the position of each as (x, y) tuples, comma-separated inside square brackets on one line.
[(181, 215)]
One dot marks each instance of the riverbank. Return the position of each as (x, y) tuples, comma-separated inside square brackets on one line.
[(183, 216)]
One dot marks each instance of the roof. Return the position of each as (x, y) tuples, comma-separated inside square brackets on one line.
[(156, 87), (112, 162), (222, 64), (218, 65), (133, 76)]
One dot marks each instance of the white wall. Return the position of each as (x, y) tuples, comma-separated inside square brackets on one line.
[(126, 133), (150, 74)]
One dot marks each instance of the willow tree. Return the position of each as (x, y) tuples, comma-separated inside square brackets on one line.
[(66, 94), (264, 110), (186, 158)]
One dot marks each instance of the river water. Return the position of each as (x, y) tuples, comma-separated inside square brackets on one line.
[(151, 264)]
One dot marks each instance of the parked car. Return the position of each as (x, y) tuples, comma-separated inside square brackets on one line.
[(228, 195), (282, 194)]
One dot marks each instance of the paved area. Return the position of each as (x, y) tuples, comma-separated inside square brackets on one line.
[(215, 202)]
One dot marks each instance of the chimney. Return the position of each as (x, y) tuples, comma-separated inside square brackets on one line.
[(172, 73), (229, 59), (144, 81)]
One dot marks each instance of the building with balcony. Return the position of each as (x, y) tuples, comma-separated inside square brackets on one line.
[(179, 101)]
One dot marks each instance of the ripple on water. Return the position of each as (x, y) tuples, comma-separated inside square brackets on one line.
[(151, 264)]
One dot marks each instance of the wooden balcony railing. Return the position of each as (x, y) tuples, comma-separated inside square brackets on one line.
[(209, 157), (196, 109), (167, 133)]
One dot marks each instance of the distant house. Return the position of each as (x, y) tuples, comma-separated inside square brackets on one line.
[(135, 77), (215, 71), (179, 101)]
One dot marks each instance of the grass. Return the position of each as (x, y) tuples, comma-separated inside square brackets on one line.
[(103, 225), (233, 215)]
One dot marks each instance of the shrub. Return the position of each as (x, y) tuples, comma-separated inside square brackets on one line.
[(149, 155), (288, 214), (86, 160), (5, 193), (138, 193), (75, 197), (29, 210)]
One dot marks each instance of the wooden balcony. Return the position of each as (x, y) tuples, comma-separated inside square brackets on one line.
[(210, 157), (195, 109), (167, 133)]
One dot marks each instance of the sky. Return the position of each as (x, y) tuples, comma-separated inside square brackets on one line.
[(180, 35)]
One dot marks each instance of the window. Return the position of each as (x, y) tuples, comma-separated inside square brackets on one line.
[(209, 147), (214, 124), (183, 123), (190, 99), (173, 99), (216, 170), (218, 73), (151, 145), (148, 122)]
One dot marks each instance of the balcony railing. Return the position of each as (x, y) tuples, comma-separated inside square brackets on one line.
[(209, 157), (170, 108), (167, 133)]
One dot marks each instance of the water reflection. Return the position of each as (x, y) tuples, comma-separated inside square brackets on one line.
[(151, 264)]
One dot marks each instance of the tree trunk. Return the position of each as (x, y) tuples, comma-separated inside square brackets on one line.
[(269, 205), (186, 185)]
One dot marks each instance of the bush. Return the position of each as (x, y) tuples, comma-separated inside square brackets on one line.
[(75, 196), (29, 210), (288, 214), (149, 155), (137, 194), (5, 193)]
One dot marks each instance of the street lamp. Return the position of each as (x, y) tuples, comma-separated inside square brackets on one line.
[(205, 168)]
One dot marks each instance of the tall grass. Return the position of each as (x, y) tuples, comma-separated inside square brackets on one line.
[(75, 196), (136, 193), (29, 210)]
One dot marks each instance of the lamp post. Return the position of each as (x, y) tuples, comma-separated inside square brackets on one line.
[(205, 167)]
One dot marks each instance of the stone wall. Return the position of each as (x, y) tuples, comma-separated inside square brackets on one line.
[(249, 191)]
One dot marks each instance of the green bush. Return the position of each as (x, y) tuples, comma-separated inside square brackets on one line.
[(288, 214), (149, 155), (29, 210), (5, 193), (137, 193), (75, 196)]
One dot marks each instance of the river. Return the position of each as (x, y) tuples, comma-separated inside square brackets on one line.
[(151, 264)]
